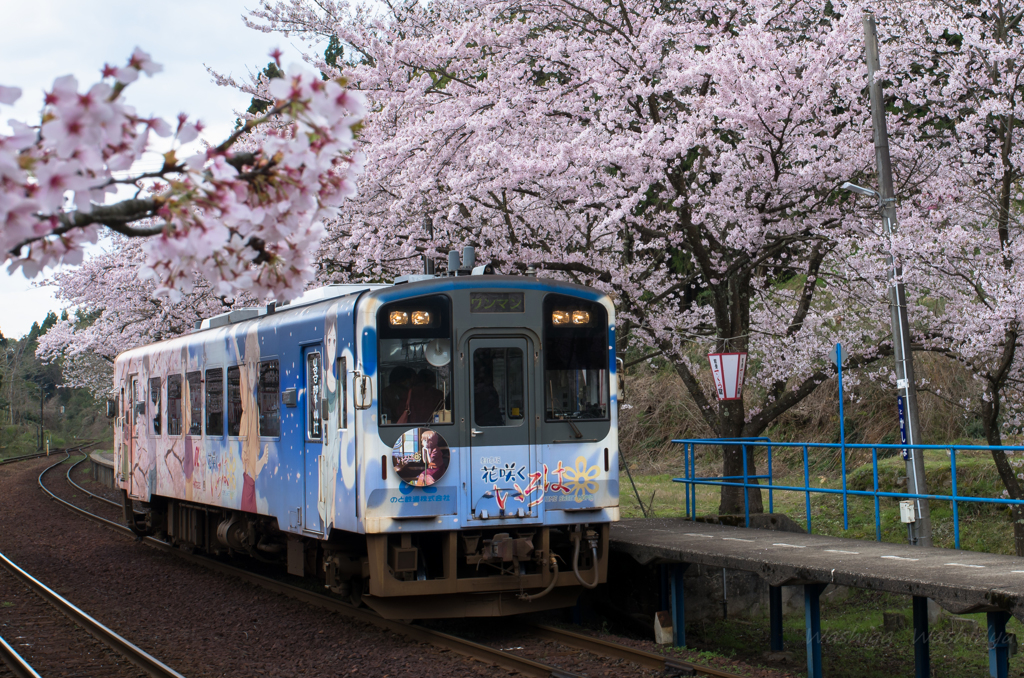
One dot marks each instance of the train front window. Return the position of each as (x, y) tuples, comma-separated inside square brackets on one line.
[(575, 359), (415, 355), (498, 388)]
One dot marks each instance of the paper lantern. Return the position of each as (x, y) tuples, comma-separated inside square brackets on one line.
[(728, 370)]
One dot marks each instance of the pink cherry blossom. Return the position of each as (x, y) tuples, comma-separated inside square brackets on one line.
[(245, 215)]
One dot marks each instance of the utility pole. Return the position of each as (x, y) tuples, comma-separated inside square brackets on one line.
[(920, 531)]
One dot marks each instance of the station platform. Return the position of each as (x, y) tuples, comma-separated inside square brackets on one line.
[(103, 467), (960, 581)]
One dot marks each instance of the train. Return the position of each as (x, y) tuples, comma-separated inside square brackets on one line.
[(442, 446)]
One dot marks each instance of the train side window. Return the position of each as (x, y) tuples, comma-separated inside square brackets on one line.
[(234, 401), (270, 399), (414, 357), (174, 405), (155, 414), (215, 402), (575, 359), (342, 393), (314, 393), (194, 387)]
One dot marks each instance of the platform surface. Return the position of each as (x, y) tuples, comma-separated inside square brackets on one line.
[(960, 581), (103, 458)]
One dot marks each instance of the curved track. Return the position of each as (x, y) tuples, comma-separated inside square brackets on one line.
[(527, 667)]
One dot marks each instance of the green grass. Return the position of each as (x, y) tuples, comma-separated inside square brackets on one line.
[(6, 603), (983, 527), (854, 644)]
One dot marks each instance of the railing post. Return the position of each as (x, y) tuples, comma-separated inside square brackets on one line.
[(842, 435), (771, 481), (746, 490), (807, 492), (687, 476), (922, 657), (878, 513), (956, 512)]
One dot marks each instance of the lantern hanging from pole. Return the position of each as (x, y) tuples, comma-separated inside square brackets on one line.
[(728, 370)]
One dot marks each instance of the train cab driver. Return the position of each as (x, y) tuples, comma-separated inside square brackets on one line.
[(394, 399), (424, 398), (486, 405)]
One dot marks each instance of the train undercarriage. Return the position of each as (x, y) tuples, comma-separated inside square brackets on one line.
[(436, 574)]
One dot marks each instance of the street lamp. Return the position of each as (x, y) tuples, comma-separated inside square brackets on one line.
[(854, 188)]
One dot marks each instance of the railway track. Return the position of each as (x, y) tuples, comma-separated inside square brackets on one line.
[(36, 455), (666, 666)]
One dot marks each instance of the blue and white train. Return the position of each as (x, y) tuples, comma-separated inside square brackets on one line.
[(443, 446)]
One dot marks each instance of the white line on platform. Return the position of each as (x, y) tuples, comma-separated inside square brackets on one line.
[(900, 558), (694, 534), (1016, 571), (736, 539), (852, 553), (964, 565), (792, 546)]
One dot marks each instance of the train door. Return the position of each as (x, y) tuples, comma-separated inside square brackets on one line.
[(132, 420), (312, 358), (503, 454)]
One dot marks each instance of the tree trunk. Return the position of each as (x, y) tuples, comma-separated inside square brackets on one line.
[(990, 422), (730, 414)]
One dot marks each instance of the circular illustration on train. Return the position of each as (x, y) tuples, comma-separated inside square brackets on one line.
[(420, 456)]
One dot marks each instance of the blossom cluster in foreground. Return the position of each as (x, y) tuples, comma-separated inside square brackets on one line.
[(245, 215)]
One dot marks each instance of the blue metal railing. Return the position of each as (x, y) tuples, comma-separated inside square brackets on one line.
[(748, 481)]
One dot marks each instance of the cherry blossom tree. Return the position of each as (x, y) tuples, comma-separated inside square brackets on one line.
[(117, 310), (682, 157), (246, 215)]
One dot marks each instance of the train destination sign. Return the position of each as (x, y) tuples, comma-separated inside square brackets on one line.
[(496, 302)]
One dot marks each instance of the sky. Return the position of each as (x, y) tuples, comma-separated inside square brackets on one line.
[(44, 39)]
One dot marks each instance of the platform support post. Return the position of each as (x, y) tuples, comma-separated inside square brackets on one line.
[(678, 609), (922, 656), (665, 586), (775, 617), (998, 645), (812, 622)]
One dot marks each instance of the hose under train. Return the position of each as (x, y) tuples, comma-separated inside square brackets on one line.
[(576, 563), (554, 580)]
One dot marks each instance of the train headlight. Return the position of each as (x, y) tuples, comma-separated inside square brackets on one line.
[(399, 318), (580, 317), (420, 317), (561, 317)]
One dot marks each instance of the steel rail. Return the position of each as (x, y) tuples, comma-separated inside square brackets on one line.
[(651, 660), (14, 661), (149, 664), (37, 455), (428, 636), (24, 457), (79, 487), (421, 634)]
